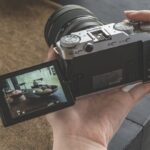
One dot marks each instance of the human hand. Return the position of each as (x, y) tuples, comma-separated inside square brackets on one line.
[(142, 15), (94, 119)]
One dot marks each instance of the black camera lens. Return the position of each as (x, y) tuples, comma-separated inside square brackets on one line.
[(68, 19)]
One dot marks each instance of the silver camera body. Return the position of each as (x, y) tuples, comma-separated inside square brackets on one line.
[(105, 56)]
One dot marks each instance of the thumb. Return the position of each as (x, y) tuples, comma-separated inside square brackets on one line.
[(140, 91), (142, 15)]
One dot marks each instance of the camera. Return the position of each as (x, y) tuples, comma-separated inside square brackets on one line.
[(92, 57)]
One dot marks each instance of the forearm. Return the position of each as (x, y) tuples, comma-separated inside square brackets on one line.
[(75, 143)]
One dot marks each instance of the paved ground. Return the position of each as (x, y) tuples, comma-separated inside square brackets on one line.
[(21, 45)]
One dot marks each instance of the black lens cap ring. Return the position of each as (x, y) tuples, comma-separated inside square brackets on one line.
[(55, 24)]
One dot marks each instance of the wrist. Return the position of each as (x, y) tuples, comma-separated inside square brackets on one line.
[(67, 142)]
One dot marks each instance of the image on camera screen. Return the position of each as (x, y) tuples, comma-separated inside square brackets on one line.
[(33, 91)]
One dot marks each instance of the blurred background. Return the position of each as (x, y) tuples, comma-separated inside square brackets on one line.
[(22, 45)]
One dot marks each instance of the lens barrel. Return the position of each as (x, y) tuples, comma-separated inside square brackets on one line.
[(68, 19)]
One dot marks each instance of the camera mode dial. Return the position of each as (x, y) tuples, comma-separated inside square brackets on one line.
[(125, 27), (70, 41)]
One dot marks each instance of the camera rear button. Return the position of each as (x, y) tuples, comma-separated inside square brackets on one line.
[(89, 47)]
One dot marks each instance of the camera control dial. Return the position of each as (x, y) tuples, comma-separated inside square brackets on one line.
[(145, 27), (142, 26), (70, 41), (125, 27)]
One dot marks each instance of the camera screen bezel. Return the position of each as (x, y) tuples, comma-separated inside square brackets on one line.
[(5, 112)]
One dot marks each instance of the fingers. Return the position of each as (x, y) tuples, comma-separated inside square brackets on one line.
[(51, 55), (142, 15), (140, 91)]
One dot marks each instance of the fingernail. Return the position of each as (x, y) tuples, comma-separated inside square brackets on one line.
[(129, 11)]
